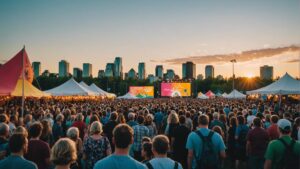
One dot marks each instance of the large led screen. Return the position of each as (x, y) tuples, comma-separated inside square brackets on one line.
[(142, 91), (175, 89)]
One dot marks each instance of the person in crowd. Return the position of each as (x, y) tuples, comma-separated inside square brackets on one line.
[(46, 132), (219, 130), (79, 123), (140, 131), (13, 121), (158, 119), (267, 122), (257, 142), (131, 122), (73, 134), (178, 142), (38, 150), (4, 134), (22, 130), (18, 145), (241, 141), (231, 142), (96, 146), (147, 154), (57, 129), (188, 121), (150, 125), (63, 153), (273, 130), (283, 152), (172, 123), (160, 148), (197, 156), (226, 110), (120, 159), (296, 129), (217, 122), (121, 118), (109, 127)]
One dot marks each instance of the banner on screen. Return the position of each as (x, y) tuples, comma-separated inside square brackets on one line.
[(142, 91), (175, 89)]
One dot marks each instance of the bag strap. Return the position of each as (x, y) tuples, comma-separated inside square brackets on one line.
[(176, 165), (148, 164)]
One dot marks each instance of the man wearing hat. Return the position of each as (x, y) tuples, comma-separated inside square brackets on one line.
[(276, 154)]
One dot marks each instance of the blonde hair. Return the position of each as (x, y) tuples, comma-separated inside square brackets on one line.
[(21, 130), (96, 128), (63, 152), (173, 118), (73, 133)]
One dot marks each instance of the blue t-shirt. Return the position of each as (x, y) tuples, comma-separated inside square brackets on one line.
[(162, 163), (119, 162), (158, 117), (194, 143), (238, 130), (226, 110), (14, 162)]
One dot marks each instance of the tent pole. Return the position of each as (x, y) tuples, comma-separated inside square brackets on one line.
[(23, 77)]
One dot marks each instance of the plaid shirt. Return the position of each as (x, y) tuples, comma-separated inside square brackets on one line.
[(140, 131)]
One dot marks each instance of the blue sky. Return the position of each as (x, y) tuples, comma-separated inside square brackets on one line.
[(141, 30)]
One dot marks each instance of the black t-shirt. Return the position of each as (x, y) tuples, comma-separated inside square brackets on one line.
[(180, 137), (108, 129)]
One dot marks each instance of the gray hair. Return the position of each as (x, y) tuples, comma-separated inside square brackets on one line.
[(96, 128), (4, 128), (73, 133)]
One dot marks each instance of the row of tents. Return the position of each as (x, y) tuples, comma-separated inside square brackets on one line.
[(16, 77)]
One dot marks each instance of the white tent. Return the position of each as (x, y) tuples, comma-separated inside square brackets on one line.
[(202, 96), (127, 96), (235, 95), (285, 85), (70, 88), (87, 87), (101, 92), (224, 94)]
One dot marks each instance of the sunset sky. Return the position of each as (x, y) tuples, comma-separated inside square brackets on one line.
[(164, 32)]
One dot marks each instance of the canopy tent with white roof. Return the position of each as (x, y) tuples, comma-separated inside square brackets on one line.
[(224, 94), (101, 92), (235, 95), (128, 96), (285, 85), (87, 87), (202, 96), (70, 88)]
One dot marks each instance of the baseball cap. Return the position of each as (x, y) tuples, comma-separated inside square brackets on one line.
[(284, 124)]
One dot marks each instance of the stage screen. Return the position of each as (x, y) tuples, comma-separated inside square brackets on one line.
[(175, 89), (142, 91)]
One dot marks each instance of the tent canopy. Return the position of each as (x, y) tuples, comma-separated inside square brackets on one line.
[(101, 92), (210, 94), (87, 87), (29, 90), (12, 70), (235, 95), (84, 84), (285, 85), (70, 88), (202, 96), (224, 94), (127, 96)]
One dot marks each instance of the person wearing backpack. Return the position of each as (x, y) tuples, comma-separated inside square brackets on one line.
[(206, 148), (160, 148), (283, 153), (241, 133)]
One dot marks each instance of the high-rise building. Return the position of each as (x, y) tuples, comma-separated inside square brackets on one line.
[(118, 71), (159, 71), (220, 77), (188, 70), (109, 70), (131, 74), (266, 72), (142, 70), (87, 70), (63, 68), (183, 70), (209, 71), (152, 78), (101, 73), (36, 69), (77, 72), (170, 75)]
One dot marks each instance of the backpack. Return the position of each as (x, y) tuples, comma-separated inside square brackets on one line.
[(209, 158), (290, 159), (149, 165), (242, 139)]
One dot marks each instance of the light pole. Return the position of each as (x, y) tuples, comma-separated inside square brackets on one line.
[(233, 76)]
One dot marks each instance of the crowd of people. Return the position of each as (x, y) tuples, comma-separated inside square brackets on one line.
[(166, 133)]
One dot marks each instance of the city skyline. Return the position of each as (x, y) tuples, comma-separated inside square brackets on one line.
[(192, 31)]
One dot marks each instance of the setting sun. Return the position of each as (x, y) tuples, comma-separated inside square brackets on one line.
[(249, 75)]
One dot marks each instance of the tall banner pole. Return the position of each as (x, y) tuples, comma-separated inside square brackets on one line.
[(23, 78)]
